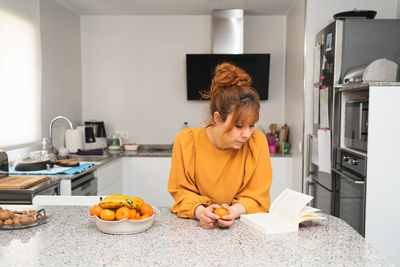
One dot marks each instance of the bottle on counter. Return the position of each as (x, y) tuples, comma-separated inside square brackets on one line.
[(278, 146)]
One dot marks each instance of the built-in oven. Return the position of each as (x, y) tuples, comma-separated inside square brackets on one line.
[(356, 123), (350, 179), (84, 185)]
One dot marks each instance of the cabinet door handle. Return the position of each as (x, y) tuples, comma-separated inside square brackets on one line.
[(310, 191), (309, 169), (348, 177)]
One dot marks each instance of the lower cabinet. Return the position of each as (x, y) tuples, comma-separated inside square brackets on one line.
[(149, 180), (110, 178), (147, 177), (286, 173)]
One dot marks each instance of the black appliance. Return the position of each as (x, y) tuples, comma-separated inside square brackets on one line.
[(350, 178), (84, 185), (200, 70), (99, 129), (356, 124)]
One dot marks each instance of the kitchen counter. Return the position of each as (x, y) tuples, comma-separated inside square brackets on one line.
[(111, 155), (145, 150), (173, 241)]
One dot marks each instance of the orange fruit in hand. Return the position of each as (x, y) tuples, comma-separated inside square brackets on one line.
[(146, 209), (95, 210), (108, 215), (221, 212), (122, 213)]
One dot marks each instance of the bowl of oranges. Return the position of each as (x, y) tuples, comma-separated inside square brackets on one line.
[(119, 214)]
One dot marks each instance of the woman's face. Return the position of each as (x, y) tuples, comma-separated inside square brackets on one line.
[(238, 135)]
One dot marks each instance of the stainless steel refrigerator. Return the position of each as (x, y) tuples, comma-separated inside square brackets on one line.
[(340, 46)]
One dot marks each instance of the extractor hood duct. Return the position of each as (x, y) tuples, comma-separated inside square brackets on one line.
[(227, 31)]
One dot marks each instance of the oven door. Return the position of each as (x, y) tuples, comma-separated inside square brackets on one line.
[(85, 185), (356, 124), (350, 199)]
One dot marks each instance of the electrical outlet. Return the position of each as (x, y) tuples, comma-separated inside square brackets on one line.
[(123, 135)]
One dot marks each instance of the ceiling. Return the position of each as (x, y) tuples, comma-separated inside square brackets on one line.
[(175, 7)]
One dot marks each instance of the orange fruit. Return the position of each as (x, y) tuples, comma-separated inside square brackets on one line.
[(122, 213), (108, 215), (143, 217), (134, 214), (95, 210), (221, 212), (137, 203), (146, 209)]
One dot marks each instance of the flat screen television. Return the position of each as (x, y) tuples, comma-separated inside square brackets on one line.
[(200, 70)]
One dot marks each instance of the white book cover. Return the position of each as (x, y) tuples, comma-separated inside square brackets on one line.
[(287, 211)]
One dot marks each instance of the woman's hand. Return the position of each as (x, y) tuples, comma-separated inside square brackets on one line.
[(206, 216), (234, 212)]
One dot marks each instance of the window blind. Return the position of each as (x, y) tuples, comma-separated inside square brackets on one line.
[(20, 72)]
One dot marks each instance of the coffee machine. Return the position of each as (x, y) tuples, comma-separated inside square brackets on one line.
[(94, 135)]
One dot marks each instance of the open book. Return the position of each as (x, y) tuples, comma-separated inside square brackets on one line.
[(286, 212)]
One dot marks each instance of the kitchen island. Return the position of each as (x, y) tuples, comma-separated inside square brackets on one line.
[(71, 238)]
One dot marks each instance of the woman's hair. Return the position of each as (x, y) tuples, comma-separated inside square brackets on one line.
[(231, 93)]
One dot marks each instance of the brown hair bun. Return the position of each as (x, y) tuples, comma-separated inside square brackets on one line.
[(231, 93), (227, 75)]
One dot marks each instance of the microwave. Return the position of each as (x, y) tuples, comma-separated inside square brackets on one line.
[(356, 124)]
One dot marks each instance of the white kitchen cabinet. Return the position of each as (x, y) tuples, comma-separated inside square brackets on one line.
[(110, 178), (149, 180), (383, 180), (281, 170)]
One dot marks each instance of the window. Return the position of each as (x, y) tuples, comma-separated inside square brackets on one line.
[(20, 73)]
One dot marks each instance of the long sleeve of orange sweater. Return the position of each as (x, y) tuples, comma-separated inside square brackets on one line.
[(201, 174)]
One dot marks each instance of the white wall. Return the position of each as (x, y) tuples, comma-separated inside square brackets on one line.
[(294, 87), (133, 71), (61, 67), (319, 13)]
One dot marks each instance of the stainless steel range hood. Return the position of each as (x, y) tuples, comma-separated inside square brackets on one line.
[(227, 27)]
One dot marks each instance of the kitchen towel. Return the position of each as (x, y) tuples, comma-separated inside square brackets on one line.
[(56, 170)]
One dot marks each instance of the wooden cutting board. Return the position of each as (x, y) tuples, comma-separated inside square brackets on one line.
[(21, 181)]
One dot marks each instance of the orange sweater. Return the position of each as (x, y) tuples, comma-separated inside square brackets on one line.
[(202, 174)]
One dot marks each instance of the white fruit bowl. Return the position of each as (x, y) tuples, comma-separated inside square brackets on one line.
[(125, 226)]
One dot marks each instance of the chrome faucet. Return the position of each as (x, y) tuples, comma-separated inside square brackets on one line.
[(52, 148)]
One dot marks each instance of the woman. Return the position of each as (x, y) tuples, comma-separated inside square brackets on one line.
[(226, 163)]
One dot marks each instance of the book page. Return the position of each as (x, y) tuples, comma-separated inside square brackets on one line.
[(307, 210), (310, 217), (289, 203), (268, 223), (308, 214)]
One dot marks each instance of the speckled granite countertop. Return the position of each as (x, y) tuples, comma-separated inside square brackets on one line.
[(71, 238)]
